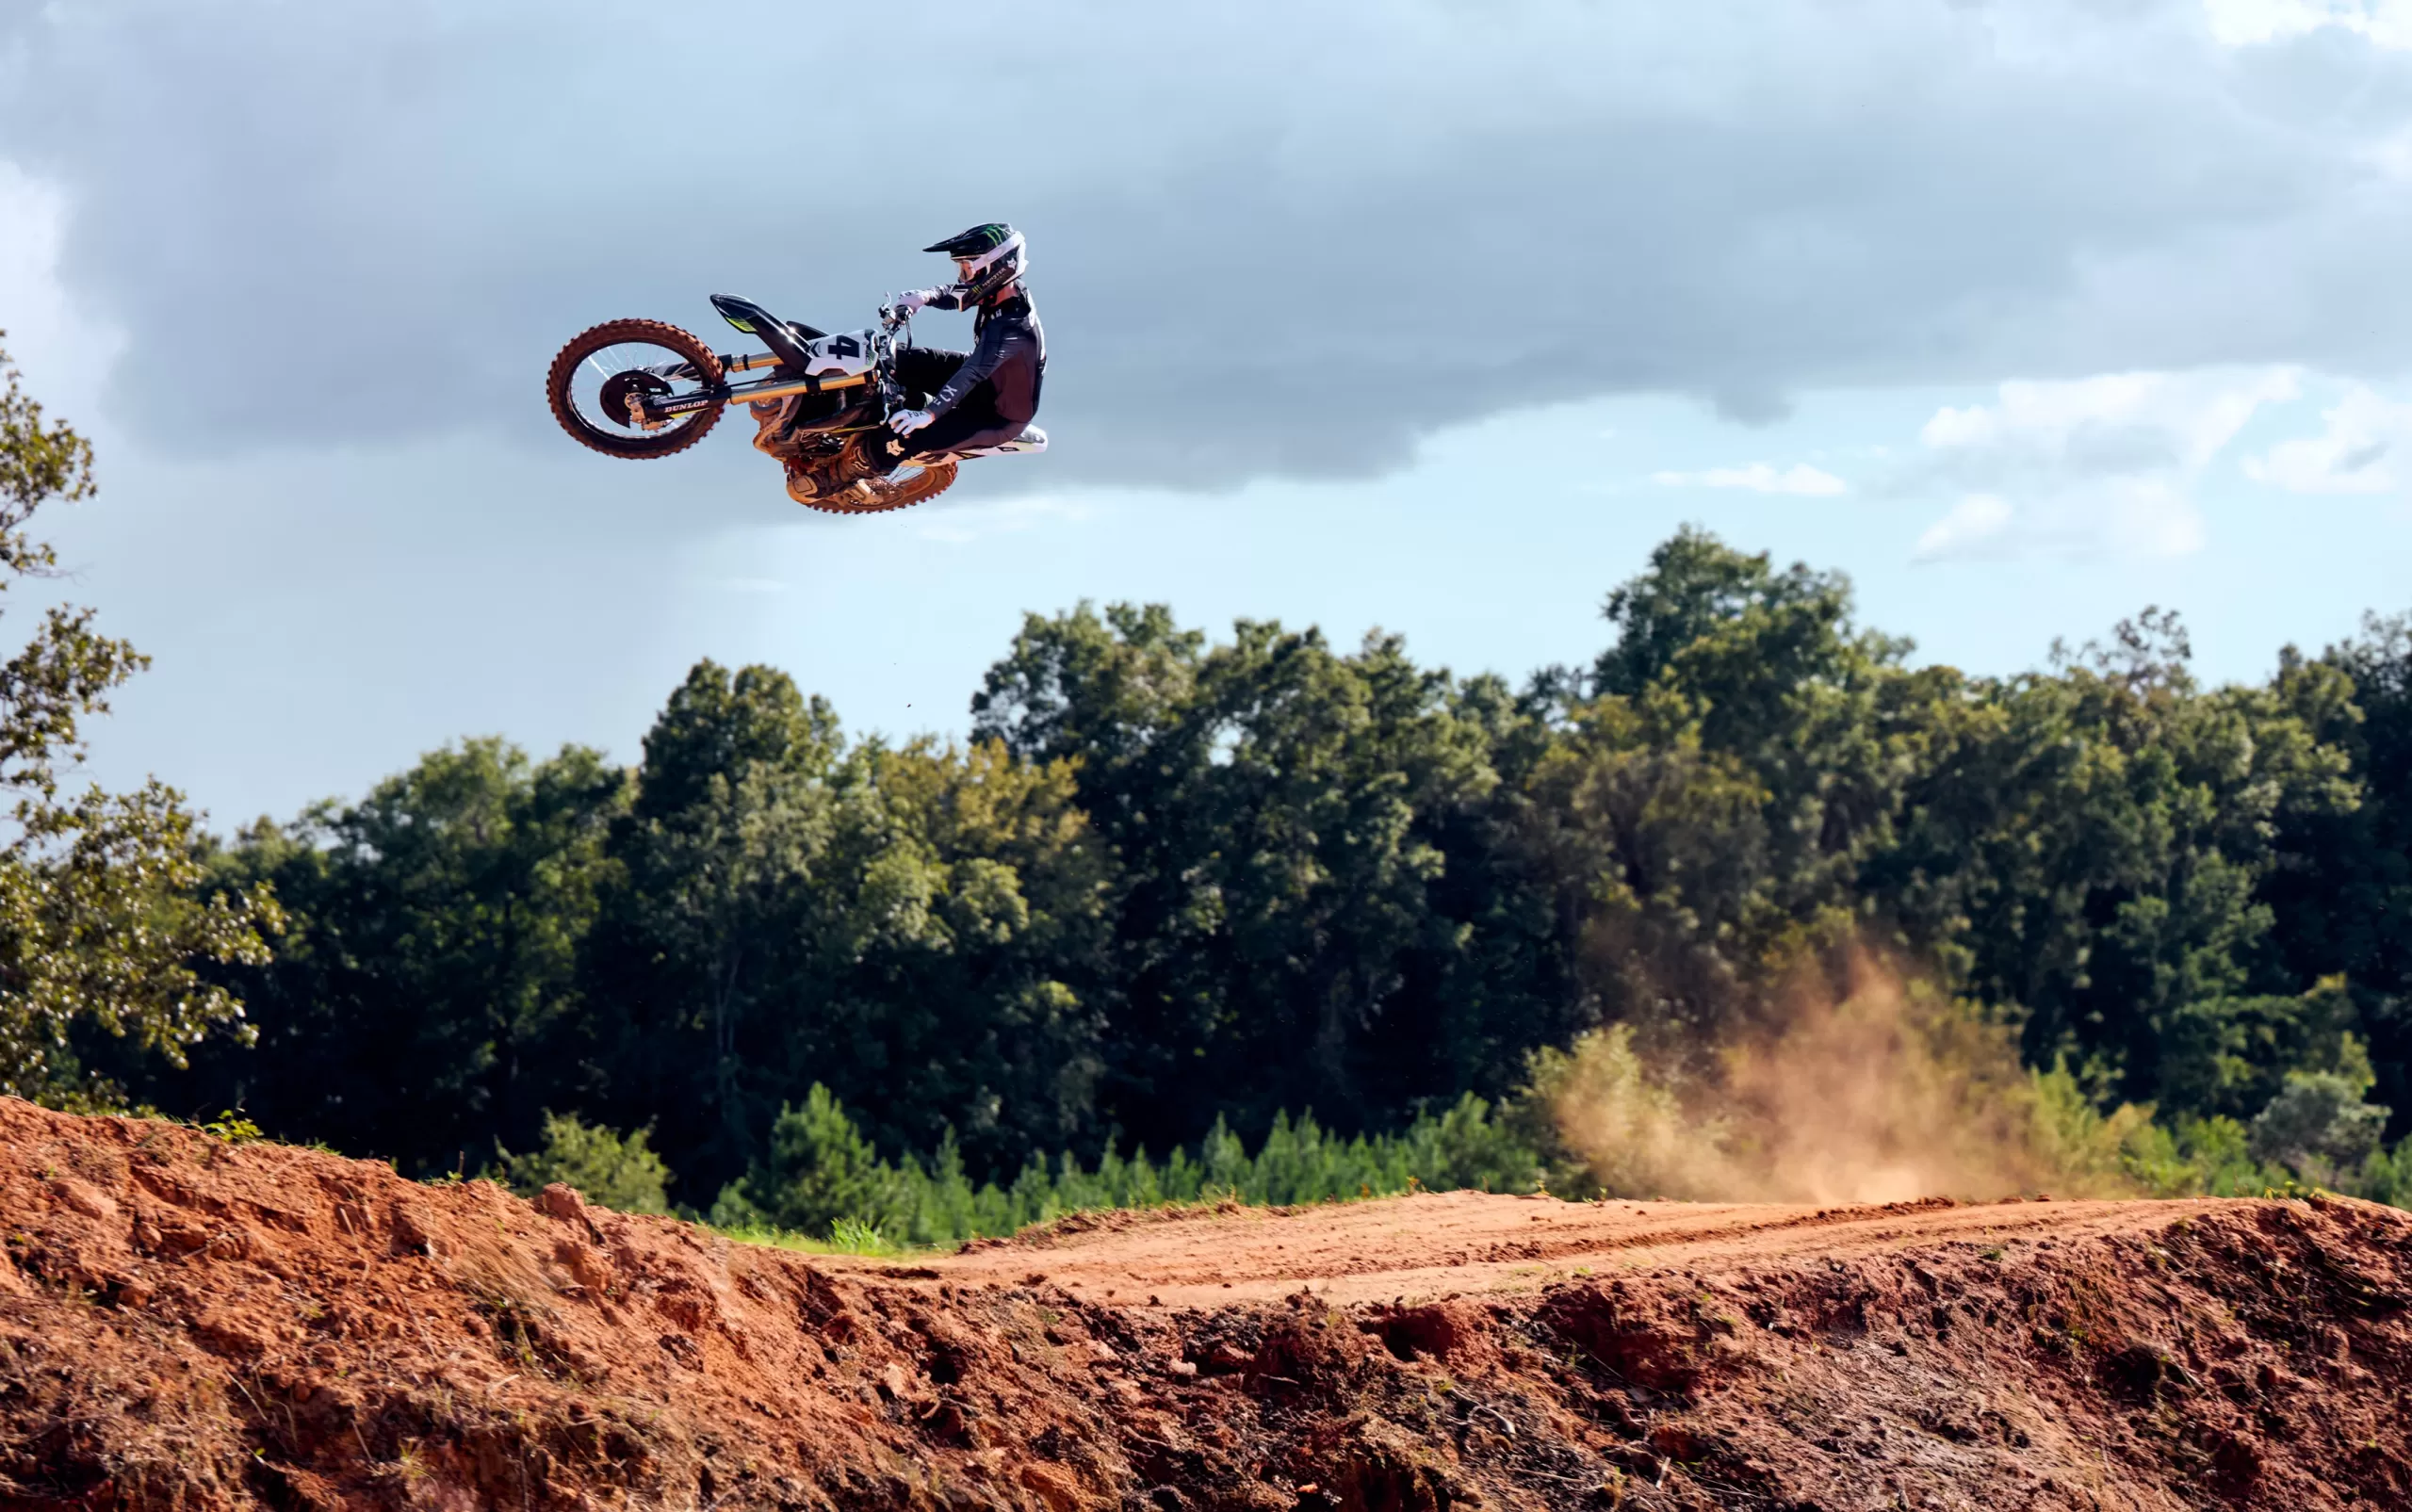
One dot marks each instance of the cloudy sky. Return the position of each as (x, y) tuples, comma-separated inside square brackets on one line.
[(1428, 314)]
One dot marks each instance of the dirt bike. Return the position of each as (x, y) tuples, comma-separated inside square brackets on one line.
[(645, 388)]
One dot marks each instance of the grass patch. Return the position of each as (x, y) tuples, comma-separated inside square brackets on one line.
[(846, 1236)]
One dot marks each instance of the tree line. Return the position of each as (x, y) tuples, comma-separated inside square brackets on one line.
[(1173, 884), (1171, 881)]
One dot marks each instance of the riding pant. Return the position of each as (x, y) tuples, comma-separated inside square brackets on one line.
[(981, 398)]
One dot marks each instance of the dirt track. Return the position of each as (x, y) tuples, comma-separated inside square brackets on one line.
[(188, 1324), (1436, 1245)]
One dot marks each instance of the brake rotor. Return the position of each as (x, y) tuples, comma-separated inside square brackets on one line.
[(620, 388)]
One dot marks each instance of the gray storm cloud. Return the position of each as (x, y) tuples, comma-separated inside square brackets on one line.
[(1269, 238)]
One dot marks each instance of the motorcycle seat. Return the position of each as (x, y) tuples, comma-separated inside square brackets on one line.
[(790, 339)]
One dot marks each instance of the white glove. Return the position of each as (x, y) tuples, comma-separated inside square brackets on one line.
[(905, 422), (915, 298)]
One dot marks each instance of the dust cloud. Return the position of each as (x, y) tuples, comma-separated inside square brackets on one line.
[(1885, 1091)]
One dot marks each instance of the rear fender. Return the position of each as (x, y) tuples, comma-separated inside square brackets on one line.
[(1032, 439)]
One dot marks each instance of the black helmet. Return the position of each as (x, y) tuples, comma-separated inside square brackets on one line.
[(987, 258)]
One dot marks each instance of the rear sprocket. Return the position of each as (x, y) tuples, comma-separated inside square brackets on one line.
[(870, 496)]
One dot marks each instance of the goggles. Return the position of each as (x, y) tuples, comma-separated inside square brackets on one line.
[(971, 267)]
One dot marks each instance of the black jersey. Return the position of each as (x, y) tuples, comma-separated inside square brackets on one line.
[(1010, 356)]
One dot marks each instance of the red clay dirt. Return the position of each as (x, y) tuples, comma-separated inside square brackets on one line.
[(185, 1323)]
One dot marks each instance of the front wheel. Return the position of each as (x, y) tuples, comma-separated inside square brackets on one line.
[(598, 383)]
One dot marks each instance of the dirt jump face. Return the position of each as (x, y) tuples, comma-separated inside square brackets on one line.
[(189, 1322)]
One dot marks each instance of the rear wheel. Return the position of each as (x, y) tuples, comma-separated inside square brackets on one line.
[(902, 489), (878, 496), (595, 379)]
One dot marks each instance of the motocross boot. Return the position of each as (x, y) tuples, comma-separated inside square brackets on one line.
[(803, 484), (862, 459), (771, 417)]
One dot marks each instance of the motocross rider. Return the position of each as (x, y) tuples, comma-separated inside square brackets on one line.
[(964, 401)]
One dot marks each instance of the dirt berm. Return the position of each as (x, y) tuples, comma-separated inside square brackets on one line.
[(190, 1324)]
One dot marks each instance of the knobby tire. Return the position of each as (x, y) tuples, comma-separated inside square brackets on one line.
[(928, 484), (612, 333)]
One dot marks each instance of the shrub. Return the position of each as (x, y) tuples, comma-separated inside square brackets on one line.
[(615, 1172), (2319, 1126), (824, 1178), (821, 1170)]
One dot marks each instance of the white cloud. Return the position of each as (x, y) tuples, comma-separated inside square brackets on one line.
[(1975, 525), (2086, 466), (1759, 478), (970, 522), (2252, 23), (2362, 450), (63, 355), (2390, 154), (2197, 414), (1772, 205)]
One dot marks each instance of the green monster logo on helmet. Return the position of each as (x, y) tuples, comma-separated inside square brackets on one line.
[(991, 258)]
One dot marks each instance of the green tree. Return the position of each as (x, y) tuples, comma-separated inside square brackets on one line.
[(105, 919), (919, 928), (1656, 855), (1335, 774), (1706, 823), (1116, 693), (2093, 842), (1696, 589), (2341, 898), (2227, 1057), (967, 973), (426, 1004), (700, 943), (819, 1172), (1281, 814), (1175, 885), (620, 1172), (2319, 1127), (819, 1168)]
